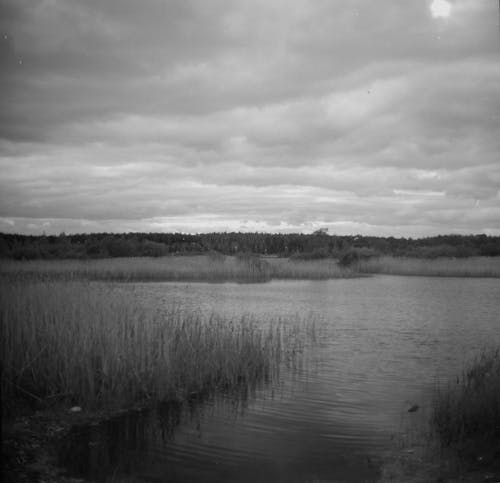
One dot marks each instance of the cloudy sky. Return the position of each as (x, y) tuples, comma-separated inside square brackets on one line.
[(261, 115)]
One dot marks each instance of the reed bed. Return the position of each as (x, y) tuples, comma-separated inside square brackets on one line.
[(285, 268), (171, 268), (93, 345), (199, 268), (468, 409), (439, 267)]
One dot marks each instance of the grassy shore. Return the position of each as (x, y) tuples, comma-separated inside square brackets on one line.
[(91, 345), (200, 268), (469, 407), (439, 267), (285, 268), (462, 440), (170, 268), (242, 268), (466, 419)]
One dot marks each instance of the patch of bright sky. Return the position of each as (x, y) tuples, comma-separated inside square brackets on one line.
[(440, 9), (403, 192)]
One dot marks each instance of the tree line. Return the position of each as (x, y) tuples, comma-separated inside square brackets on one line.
[(317, 245)]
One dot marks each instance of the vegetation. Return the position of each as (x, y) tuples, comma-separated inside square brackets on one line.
[(192, 268), (210, 268), (441, 267), (244, 268), (93, 345), (283, 268), (469, 408), (316, 245), (462, 442)]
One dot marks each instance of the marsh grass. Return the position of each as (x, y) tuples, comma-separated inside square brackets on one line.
[(245, 268), (322, 269), (93, 345), (440, 267), (468, 409), (200, 268), (459, 440)]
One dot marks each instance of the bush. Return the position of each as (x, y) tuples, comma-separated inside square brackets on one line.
[(355, 255), (153, 249), (121, 248)]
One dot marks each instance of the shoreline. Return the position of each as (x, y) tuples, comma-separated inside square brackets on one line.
[(30, 440), (249, 269), (30, 446)]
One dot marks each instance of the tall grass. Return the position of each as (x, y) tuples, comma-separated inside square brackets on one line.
[(201, 268), (469, 408), (170, 268), (441, 267), (95, 346), (284, 268)]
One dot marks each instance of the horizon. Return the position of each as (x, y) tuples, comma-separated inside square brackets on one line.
[(266, 117), (352, 235)]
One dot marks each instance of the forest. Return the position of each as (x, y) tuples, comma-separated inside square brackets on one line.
[(317, 245)]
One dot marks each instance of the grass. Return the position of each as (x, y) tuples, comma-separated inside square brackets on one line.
[(92, 345), (462, 440), (201, 268), (242, 268), (469, 408), (285, 268), (440, 267), (185, 268)]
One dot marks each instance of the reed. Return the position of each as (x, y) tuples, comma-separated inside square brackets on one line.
[(93, 345), (469, 408), (439, 267), (171, 268), (201, 268), (284, 268)]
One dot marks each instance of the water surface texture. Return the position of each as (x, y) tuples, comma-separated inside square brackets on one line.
[(382, 343)]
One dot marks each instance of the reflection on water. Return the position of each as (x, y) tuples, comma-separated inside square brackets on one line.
[(381, 344), (229, 437)]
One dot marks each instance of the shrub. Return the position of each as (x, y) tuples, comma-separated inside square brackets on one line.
[(153, 249), (355, 255)]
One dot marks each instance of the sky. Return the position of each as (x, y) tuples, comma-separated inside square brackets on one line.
[(374, 118)]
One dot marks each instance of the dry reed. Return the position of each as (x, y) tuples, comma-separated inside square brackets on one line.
[(323, 269), (171, 268), (440, 267), (200, 268)]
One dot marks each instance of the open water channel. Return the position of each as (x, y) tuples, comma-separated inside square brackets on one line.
[(382, 344)]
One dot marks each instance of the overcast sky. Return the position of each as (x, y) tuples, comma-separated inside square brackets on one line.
[(265, 115)]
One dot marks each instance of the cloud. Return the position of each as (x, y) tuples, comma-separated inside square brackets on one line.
[(270, 115)]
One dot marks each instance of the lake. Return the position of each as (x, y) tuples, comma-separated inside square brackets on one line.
[(381, 345)]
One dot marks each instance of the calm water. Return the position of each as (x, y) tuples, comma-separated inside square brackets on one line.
[(382, 344)]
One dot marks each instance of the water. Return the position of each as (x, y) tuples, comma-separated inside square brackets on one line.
[(382, 345)]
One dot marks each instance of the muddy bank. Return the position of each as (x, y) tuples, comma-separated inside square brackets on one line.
[(31, 447), (427, 462), (28, 447), (31, 442)]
